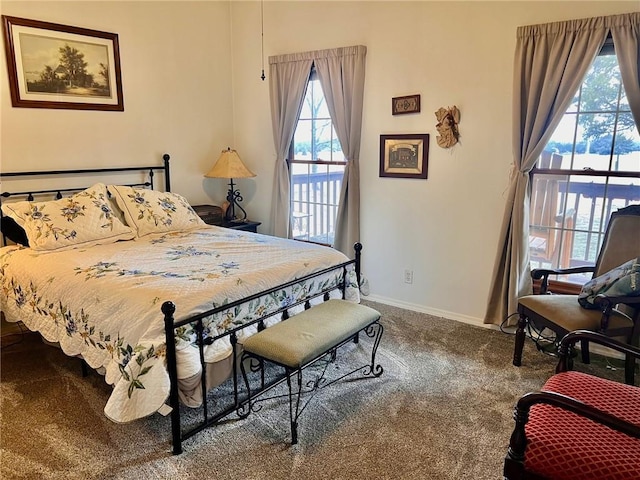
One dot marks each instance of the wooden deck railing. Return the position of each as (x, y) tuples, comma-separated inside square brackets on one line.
[(581, 208), (314, 205), (598, 197)]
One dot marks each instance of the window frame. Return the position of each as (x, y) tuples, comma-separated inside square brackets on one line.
[(291, 160), (563, 286)]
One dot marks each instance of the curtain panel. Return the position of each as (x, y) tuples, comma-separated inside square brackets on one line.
[(288, 77), (551, 61), (341, 74)]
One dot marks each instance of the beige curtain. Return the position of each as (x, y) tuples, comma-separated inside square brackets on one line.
[(625, 30), (341, 74), (288, 78), (551, 61)]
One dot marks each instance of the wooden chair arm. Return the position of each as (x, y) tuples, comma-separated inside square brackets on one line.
[(514, 462), (518, 441), (571, 338), (631, 353), (605, 301), (579, 408), (544, 273)]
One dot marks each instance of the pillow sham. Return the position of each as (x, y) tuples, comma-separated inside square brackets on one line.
[(83, 219), (149, 211), (18, 211)]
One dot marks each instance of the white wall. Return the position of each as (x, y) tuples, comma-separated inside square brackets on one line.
[(176, 62), (446, 228), (191, 75)]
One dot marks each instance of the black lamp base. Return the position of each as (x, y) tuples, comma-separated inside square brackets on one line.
[(233, 197)]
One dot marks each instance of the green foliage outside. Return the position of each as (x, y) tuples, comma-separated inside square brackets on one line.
[(598, 98), (599, 93), (601, 146)]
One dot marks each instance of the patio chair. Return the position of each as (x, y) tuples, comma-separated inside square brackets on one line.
[(550, 233), (615, 316)]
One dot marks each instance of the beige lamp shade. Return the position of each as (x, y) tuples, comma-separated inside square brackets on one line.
[(229, 165)]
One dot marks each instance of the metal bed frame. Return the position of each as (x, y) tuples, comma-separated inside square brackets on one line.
[(168, 309)]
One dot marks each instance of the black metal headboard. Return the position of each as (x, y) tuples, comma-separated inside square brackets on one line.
[(10, 229)]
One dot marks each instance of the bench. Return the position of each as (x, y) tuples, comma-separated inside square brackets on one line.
[(304, 339)]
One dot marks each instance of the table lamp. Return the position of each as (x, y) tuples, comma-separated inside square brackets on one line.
[(229, 165)]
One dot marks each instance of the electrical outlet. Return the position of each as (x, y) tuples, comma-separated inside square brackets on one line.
[(408, 276)]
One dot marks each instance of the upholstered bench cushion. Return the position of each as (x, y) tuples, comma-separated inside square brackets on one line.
[(564, 446), (305, 336)]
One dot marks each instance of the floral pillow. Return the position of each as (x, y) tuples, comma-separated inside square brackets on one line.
[(83, 219), (150, 211)]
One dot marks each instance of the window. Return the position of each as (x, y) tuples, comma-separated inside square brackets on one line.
[(316, 166), (589, 168)]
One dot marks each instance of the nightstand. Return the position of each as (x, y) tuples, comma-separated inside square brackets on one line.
[(247, 225), (212, 215)]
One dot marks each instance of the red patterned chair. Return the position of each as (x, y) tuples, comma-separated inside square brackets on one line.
[(579, 427)]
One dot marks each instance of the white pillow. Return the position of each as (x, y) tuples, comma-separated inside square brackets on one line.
[(150, 211), (81, 220)]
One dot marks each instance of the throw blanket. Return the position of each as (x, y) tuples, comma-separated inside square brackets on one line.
[(621, 281)]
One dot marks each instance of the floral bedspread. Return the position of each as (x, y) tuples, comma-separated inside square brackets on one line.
[(103, 302)]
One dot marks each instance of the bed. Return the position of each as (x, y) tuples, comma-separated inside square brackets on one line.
[(130, 279)]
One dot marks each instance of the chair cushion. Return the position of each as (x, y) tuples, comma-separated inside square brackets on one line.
[(303, 337), (564, 446), (566, 312)]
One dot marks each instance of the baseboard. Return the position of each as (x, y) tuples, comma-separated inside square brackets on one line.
[(603, 351), (431, 311), (478, 322)]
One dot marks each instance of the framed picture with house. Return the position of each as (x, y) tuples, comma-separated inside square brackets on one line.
[(404, 155)]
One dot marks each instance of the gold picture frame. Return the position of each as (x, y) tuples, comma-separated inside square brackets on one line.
[(60, 66), (404, 155)]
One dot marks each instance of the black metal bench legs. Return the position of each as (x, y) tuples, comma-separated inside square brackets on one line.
[(293, 377), (373, 330), (294, 413)]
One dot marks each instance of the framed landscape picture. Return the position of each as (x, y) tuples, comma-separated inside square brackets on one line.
[(404, 156), (60, 66)]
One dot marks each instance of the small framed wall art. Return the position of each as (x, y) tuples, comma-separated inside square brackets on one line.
[(404, 155), (60, 66), (407, 104)]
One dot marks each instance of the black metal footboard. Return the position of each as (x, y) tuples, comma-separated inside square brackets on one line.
[(178, 433)]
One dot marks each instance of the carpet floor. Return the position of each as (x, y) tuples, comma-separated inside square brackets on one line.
[(441, 410)]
